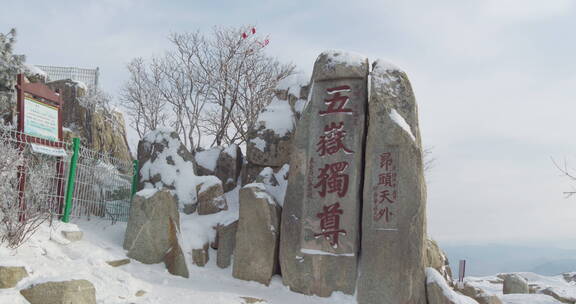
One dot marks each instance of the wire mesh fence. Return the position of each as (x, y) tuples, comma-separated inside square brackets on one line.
[(36, 180), (87, 76)]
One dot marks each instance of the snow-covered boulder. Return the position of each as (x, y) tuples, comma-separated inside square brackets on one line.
[(438, 291), (11, 275), (481, 296), (224, 163), (437, 259), (153, 231), (514, 283), (210, 196), (257, 238), (74, 291), (270, 140), (166, 163)]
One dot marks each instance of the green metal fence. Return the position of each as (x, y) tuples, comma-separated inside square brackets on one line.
[(81, 183)]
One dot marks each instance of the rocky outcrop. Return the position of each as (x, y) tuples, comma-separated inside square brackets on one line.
[(257, 237), (165, 163), (224, 163), (75, 291), (320, 221), (99, 128), (437, 259), (11, 275), (514, 283), (477, 294), (438, 291), (153, 230), (211, 197)]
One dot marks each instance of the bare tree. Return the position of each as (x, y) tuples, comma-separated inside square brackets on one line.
[(215, 85), (142, 98)]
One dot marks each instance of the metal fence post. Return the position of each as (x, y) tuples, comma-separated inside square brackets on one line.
[(135, 178), (71, 178)]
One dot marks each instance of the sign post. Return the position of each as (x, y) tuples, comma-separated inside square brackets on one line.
[(40, 125)]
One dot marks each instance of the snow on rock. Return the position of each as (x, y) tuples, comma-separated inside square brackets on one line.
[(434, 278), (147, 193), (293, 83), (32, 70), (275, 183), (528, 299), (278, 117), (81, 85), (339, 57), (168, 168), (209, 158), (401, 122), (554, 286)]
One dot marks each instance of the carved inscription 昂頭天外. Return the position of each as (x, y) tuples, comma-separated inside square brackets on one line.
[(385, 194)]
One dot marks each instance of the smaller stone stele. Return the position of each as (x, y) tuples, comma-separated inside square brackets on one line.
[(514, 283), (200, 256), (226, 243), (11, 275), (118, 263), (74, 291), (211, 197), (257, 238), (73, 236)]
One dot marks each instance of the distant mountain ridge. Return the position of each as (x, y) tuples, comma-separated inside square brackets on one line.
[(483, 260)]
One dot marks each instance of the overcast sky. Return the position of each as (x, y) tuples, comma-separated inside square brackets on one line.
[(495, 81)]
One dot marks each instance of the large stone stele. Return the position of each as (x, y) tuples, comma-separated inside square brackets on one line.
[(320, 222), (394, 203), (256, 252), (75, 291), (154, 230)]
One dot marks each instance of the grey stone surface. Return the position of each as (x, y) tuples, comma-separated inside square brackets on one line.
[(394, 207), (200, 256), (229, 166), (226, 244), (250, 172), (315, 261), (152, 232), (73, 236), (174, 259), (437, 259), (265, 147), (477, 294), (514, 283), (66, 292), (11, 275), (211, 198), (257, 237)]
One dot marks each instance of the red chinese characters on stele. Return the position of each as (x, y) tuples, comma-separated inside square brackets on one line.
[(333, 179), (386, 192)]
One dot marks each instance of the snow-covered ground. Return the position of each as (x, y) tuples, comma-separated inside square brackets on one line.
[(49, 257)]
